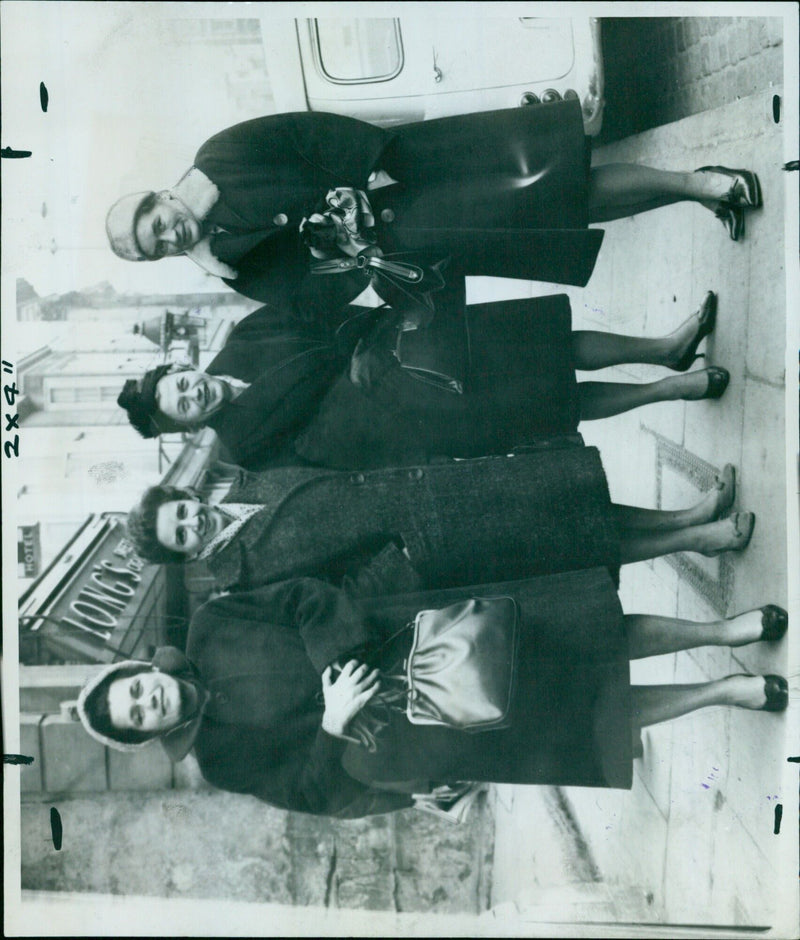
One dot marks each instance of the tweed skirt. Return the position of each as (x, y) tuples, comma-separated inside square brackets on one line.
[(569, 724)]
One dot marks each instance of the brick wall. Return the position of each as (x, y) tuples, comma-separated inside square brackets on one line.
[(211, 844), (66, 759), (134, 823), (661, 69)]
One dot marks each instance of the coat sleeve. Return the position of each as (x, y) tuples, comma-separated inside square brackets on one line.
[(344, 147), (328, 621), (269, 321), (292, 764), (306, 781), (388, 571)]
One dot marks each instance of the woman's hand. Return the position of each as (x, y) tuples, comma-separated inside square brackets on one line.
[(346, 695)]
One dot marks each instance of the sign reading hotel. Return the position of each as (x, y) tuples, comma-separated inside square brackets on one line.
[(29, 551)]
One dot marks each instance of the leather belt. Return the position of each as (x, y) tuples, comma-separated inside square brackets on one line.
[(404, 270)]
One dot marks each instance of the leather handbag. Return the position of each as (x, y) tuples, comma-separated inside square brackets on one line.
[(403, 279), (460, 672), (429, 362), (428, 354), (462, 665)]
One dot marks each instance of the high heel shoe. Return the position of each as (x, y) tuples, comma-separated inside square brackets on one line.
[(725, 482), (774, 622), (718, 379), (743, 524), (745, 189), (732, 217), (705, 325)]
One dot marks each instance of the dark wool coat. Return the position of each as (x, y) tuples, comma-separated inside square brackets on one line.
[(503, 192), (570, 719), (461, 522), (519, 382), (290, 371), (261, 653)]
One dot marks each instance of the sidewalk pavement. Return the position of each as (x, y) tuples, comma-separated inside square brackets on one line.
[(693, 841)]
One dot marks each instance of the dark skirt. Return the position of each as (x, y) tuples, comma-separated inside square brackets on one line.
[(512, 168), (570, 718), (505, 193), (519, 383)]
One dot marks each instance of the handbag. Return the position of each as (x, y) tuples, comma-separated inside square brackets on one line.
[(431, 362), (403, 279), (460, 672), (462, 665), (425, 354)]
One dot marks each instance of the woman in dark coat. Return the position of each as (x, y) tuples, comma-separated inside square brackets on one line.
[(273, 716), (507, 193), (574, 719), (266, 715), (517, 360), (476, 380)]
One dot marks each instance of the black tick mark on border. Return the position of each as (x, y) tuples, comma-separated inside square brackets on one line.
[(56, 828)]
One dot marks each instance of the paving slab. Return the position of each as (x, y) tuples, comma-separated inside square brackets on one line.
[(692, 841)]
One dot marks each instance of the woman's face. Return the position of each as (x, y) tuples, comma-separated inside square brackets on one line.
[(147, 701), (187, 525), (190, 397)]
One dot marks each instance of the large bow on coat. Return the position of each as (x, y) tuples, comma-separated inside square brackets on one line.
[(341, 237)]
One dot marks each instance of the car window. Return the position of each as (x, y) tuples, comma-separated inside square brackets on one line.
[(358, 50)]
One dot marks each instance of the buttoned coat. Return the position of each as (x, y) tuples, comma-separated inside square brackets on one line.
[(260, 655), (503, 192), (440, 525), (302, 407)]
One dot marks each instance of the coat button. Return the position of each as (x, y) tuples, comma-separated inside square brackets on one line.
[(280, 219), (221, 698), (416, 474), (387, 215), (357, 478)]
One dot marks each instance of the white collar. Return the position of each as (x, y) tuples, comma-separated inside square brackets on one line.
[(237, 386), (199, 194), (239, 513)]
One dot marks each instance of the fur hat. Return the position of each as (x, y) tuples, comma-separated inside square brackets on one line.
[(138, 398), (121, 226)]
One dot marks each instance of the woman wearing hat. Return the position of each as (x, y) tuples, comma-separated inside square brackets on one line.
[(297, 695), (477, 380), (505, 193)]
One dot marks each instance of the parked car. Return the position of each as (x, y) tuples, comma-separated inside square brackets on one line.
[(397, 70)]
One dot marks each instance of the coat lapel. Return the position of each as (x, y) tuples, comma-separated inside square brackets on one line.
[(226, 564), (273, 490), (229, 248)]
